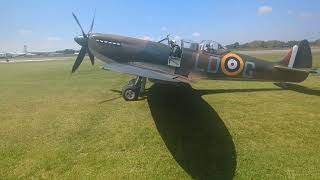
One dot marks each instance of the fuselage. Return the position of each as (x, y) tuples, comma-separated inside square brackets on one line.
[(123, 49), (195, 62)]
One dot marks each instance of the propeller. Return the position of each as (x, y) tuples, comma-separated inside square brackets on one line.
[(83, 42)]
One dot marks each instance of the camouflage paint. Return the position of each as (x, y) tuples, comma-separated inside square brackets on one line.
[(195, 64)]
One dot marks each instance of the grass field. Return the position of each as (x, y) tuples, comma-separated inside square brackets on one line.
[(57, 125)]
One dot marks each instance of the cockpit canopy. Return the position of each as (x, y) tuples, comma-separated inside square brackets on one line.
[(205, 46), (209, 44)]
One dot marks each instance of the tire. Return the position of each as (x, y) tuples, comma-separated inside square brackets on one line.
[(130, 93)]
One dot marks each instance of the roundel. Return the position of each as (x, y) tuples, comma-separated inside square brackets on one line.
[(232, 64)]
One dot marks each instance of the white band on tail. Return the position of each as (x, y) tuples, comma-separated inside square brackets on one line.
[(293, 56)]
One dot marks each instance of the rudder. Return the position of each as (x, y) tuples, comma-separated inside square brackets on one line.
[(299, 56)]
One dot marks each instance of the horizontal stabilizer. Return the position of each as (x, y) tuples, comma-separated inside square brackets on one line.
[(284, 68), (315, 72)]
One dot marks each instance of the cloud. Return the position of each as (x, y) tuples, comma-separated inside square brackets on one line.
[(264, 10), (309, 16), (196, 34), (54, 38), (177, 38), (306, 15), (147, 38), (164, 28), (24, 32)]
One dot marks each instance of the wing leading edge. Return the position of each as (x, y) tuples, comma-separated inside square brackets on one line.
[(144, 72)]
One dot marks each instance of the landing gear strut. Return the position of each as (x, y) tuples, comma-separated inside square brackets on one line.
[(132, 90)]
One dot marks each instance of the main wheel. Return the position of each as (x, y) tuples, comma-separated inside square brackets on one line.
[(130, 93)]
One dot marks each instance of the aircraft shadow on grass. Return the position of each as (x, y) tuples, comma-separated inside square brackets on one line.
[(193, 132), (298, 88)]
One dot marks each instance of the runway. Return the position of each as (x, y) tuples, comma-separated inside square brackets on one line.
[(37, 59), (42, 59)]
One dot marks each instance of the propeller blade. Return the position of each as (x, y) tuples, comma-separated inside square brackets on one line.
[(91, 56), (75, 17), (92, 23), (79, 59)]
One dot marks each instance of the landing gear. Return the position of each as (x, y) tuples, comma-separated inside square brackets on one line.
[(284, 85), (130, 93), (132, 90), (132, 82)]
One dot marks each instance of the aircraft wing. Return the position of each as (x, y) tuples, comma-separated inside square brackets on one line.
[(145, 72)]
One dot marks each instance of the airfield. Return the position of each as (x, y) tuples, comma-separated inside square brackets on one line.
[(54, 124)]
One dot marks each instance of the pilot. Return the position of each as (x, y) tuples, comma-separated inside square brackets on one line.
[(209, 48), (172, 43), (176, 50)]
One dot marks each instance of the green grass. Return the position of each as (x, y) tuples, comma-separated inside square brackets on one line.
[(57, 125)]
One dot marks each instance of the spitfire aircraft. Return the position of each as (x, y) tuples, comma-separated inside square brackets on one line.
[(167, 62)]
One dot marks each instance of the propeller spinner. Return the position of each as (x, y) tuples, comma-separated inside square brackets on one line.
[(83, 42)]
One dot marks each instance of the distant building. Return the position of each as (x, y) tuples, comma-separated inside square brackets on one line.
[(3, 55), (25, 49)]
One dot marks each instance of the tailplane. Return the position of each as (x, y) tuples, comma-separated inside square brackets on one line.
[(299, 56)]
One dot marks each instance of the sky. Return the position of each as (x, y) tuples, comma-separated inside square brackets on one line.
[(49, 26)]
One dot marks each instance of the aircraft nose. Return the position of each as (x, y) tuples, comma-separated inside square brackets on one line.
[(80, 40)]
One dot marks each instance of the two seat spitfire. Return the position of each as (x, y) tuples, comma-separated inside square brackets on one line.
[(157, 62)]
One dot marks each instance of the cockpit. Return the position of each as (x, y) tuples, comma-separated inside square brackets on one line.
[(205, 46), (179, 48), (212, 47)]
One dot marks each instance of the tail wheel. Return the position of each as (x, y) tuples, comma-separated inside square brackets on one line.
[(130, 93)]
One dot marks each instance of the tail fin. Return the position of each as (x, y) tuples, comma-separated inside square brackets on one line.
[(299, 56)]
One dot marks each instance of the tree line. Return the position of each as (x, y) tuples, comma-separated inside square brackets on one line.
[(272, 44), (67, 51)]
